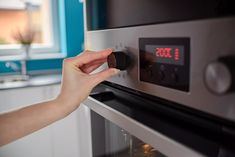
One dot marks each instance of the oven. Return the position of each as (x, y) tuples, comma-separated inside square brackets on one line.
[(175, 94)]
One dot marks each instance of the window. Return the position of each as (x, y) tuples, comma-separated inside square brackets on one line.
[(39, 16)]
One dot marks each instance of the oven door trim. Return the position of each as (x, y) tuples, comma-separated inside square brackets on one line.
[(164, 144)]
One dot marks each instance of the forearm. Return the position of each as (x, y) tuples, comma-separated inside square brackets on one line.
[(77, 83), (21, 122)]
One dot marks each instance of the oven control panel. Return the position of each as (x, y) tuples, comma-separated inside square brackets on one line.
[(165, 62)]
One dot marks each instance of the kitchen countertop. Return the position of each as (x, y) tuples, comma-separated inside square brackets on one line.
[(31, 81)]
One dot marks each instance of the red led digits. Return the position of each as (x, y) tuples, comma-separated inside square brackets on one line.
[(176, 54), (167, 54), (164, 52)]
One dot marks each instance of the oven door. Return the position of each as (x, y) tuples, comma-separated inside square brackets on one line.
[(120, 124), (116, 135)]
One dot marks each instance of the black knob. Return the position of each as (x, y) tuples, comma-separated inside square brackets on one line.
[(220, 75), (118, 60)]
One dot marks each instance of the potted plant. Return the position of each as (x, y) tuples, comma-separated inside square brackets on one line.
[(25, 38)]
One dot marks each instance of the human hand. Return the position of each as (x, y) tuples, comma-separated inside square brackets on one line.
[(77, 82)]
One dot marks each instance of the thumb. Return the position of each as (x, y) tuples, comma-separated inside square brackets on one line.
[(103, 75)]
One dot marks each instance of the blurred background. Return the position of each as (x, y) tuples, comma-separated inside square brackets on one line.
[(57, 28), (35, 37), (19, 14)]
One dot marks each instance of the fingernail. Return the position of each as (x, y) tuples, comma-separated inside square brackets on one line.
[(116, 71), (110, 49)]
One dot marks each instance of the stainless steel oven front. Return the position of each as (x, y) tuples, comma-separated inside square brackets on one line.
[(175, 96)]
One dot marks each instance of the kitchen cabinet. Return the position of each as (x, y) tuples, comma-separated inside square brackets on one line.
[(57, 140), (84, 134)]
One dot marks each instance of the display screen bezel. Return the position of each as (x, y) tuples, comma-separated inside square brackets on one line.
[(147, 63)]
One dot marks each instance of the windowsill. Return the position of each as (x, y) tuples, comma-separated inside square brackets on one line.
[(33, 57)]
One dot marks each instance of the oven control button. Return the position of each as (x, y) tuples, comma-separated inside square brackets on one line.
[(162, 75), (219, 77), (162, 68), (118, 60), (150, 72), (175, 77)]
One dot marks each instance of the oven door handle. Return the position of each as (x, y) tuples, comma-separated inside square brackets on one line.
[(159, 141), (103, 96)]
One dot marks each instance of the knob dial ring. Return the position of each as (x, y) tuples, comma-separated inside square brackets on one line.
[(218, 78)]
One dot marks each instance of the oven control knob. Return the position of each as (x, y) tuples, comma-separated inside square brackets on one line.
[(220, 75), (118, 60)]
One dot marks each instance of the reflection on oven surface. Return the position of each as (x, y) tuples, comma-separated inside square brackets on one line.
[(116, 142), (137, 148)]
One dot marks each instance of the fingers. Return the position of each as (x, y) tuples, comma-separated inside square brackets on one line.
[(88, 68), (89, 56), (101, 76), (91, 68)]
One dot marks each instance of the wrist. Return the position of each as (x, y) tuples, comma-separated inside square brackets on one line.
[(60, 108), (65, 105)]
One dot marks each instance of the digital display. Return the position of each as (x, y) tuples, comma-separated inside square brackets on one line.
[(169, 54), (165, 61)]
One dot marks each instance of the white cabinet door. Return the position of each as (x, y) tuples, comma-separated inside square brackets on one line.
[(16, 98), (65, 132), (84, 131), (65, 136), (57, 140), (37, 144)]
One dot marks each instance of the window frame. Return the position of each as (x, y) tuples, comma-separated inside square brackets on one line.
[(38, 51)]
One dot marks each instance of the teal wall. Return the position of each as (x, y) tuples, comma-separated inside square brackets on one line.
[(75, 29), (72, 37)]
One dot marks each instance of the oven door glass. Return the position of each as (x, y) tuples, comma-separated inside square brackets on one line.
[(109, 140)]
